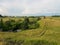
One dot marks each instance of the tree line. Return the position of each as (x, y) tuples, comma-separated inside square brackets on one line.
[(12, 25)]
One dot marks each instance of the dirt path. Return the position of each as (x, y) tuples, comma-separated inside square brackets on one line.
[(44, 29)]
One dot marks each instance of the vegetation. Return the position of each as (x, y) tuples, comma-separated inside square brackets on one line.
[(12, 25), (56, 16), (38, 31), (28, 42)]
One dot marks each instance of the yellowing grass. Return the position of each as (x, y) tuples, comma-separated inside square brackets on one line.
[(52, 32)]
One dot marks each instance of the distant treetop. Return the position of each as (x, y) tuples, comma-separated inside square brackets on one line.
[(1, 15)]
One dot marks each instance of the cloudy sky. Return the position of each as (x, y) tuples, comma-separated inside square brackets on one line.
[(29, 7)]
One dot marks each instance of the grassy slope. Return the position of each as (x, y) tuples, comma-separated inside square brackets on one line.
[(52, 32)]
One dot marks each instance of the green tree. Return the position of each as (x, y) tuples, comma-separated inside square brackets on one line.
[(9, 25), (25, 23), (38, 18), (1, 24), (1, 15), (17, 26), (33, 24)]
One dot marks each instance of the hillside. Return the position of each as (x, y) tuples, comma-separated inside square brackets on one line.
[(49, 30)]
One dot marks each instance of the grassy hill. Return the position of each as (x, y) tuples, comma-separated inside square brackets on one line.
[(47, 33)]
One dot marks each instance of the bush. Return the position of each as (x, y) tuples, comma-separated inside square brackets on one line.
[(25, 23), (12, 25)]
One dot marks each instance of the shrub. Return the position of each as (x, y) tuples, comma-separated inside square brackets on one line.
[(12, 25), (25, 23)]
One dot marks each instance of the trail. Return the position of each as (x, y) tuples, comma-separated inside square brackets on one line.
[(44, 29)]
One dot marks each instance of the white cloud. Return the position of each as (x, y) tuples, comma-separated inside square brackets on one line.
[(3, 10), (40, 6), (24, 7)]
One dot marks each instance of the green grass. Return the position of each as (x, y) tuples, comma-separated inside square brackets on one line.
[(51, 35)]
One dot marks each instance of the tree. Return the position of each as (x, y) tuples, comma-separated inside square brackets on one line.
[(1, 23), (25, 23), (44, 17), (8, 25), (38, 18), (33, 24), (17, 26), (1, 15)]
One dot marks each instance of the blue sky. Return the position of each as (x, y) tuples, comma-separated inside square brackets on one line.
[(29, 7)]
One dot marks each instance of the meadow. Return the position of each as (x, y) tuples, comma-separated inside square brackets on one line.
[(47, 34)]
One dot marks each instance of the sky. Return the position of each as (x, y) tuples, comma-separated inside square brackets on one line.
[(29, 7)]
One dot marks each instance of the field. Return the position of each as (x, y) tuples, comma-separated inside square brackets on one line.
[(48, 32)]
